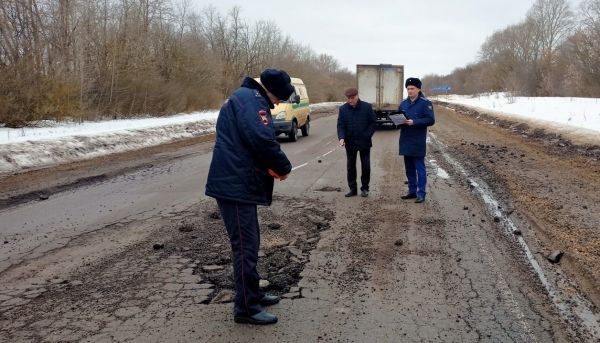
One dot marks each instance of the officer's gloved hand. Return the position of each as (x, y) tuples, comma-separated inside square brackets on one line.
[(279, 177)]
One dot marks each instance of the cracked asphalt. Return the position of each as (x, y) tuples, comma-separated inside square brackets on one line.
[(141, 255)]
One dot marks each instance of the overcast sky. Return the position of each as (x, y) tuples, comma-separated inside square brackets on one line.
[(426, 36)]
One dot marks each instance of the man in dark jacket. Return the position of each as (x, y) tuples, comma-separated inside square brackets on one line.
[(355, 126), (246, 158), (418, 111)]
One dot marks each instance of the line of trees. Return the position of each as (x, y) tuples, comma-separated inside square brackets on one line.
[(555, 51), (98, 58)]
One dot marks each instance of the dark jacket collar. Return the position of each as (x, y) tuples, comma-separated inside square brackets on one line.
[(252, 84)]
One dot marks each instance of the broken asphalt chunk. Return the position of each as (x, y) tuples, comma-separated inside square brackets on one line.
[(224, 296), (555, 256), (186, 228), (274, 226), (291, 295)]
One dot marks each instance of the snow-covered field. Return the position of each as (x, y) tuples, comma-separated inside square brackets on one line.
[(574, 115)]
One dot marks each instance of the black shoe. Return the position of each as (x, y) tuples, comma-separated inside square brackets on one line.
[(420, 199), (350, 194), (408, 196), (261, 318), (269, 299), (364, 193)]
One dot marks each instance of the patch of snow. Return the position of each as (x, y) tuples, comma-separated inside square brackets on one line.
[(567, 114), (46, 130), (440, 172), (54, 144), (325, 106)]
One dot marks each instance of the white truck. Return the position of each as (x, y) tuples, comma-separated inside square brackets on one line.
[(382, 85)]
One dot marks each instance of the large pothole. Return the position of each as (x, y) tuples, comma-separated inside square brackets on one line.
[(287, 238)]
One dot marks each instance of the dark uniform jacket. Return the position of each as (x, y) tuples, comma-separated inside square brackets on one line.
[(356, 125), (246, 148), (413, 138)]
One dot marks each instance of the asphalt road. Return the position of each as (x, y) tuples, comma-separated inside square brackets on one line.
[(80, 266)]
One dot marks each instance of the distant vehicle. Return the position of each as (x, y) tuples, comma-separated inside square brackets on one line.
[(293, 114), (382, 85)]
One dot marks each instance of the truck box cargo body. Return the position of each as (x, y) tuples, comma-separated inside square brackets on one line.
[(382, 85)]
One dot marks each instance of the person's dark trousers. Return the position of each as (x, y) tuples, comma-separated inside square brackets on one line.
[(241, 222), (416, 175), (365, 166)]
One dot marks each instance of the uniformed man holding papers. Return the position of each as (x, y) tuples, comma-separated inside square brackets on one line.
[(418, 111)]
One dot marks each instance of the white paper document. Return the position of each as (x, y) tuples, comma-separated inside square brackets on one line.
[(398, 119)]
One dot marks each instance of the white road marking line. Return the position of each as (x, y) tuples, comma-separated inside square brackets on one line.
[(327, 153), (300, 166), (305, 164)]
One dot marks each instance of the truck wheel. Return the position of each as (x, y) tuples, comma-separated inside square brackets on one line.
[(305, 129), (293, 135)]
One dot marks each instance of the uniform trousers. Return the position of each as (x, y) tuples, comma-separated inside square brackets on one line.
[(416, 175), (241, 222)]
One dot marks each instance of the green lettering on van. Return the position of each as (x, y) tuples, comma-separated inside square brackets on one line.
[(303, 103)]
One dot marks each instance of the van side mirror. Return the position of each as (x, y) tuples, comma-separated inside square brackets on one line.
[(296, 99)]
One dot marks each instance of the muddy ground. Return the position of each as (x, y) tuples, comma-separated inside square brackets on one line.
[(553, 183)]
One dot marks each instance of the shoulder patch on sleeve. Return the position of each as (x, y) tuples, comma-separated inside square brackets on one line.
[(264, 117)]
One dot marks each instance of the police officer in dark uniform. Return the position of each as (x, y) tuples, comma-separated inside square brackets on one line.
[(418, 111), (246, 158)]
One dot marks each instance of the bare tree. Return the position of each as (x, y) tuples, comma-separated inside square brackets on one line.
[(582, 50), (553, 20), (126, 57)]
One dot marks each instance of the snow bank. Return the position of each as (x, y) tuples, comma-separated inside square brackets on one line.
[(554, 112), (47, 130), (54, 144), (325, 106)]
